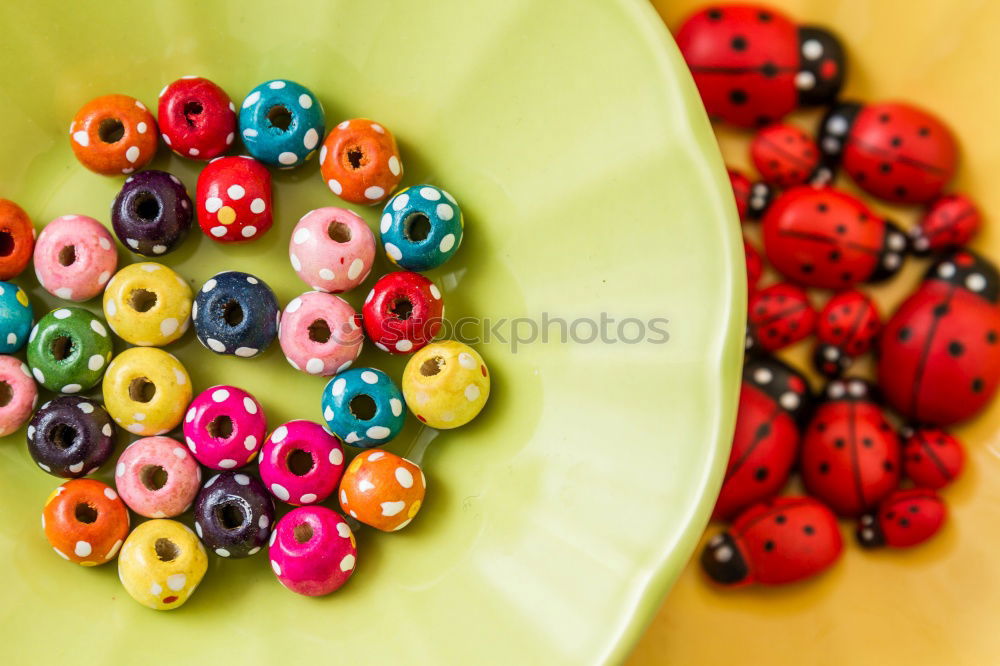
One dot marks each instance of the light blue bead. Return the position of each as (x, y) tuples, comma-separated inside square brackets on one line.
[(277, 144), (15, 318), (421, 227), (343, 407)]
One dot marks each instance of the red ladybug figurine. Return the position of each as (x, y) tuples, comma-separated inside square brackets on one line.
[(752, 199), (774, 401), (778, 316), (893, 151), (755, 265), (905, 518), (950, 221), (784, 155), (753, 65), (846, 328), (779, 541), (824, 237), (932, 458), (939, 354), (850, 453)]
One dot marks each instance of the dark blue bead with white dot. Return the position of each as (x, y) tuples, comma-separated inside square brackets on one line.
[(235, 313)]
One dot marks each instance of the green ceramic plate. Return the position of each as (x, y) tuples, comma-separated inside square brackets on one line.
[(573, 137)]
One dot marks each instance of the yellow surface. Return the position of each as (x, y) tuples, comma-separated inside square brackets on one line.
[(936, 604)]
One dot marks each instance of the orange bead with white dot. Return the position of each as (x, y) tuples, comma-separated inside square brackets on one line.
[(114, 134), (85, 522), (382, 489)]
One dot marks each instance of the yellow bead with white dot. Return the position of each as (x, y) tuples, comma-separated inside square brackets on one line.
[(148, 304), (146, 391), (161, 564), (446, 384)]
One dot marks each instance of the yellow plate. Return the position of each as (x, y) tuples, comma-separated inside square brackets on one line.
[(571, 133), (935, 604)]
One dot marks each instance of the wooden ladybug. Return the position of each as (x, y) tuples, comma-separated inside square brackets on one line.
[(893, 151), (905, 518), (778, 316), (752, 199), (774, 402), (932, 458), (755, 265), (784, 155), (846, 328), (824, 237), (939, 354), (779, 541), (950, 222), (753, 65), (850, 453)]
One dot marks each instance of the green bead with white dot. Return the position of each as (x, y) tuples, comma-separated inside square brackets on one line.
[(68, 350)]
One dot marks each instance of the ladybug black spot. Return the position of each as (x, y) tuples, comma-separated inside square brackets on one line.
[(956, 348), (940, 310), (822, 207), (977, 385), (900, 191), (780, 519), (739, 43), (793, 325), (824, 468), (884, 427), (888, 466), (883, 117), (890, 515), (809, 529), (991, 337), (774, 164), (841, 229), (738, 97), (820, 427), (838, 443), (867, 442), (904, 522), (941, 441), (904, 334), (763, 430), (862, 217), (837, 330), (760, 474), (772, 332), (859, 176), (785, 340), (924, 131), (846, 309), (769, 545), (769, 70), (846, 277), (714, 14), (834, 255), (764, 17), (885, 167), (914, 508), (763, 121), (897, 141), (807, 268), (916, 457)]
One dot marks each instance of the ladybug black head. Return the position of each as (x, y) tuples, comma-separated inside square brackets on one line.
[(829, 360), (821, 66), (782, 383), (894, 247), (869, 533), (761, 196), (851, 389), (723, 562), (832, 136), (968, 270)]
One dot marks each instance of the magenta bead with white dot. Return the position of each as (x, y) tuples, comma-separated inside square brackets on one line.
[(224, 427), (157, 477), (75, 257), (301, 463), (332, 249), (320, 333), (313, 551), (20, 392)]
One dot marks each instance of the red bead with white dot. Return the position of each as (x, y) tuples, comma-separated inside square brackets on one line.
[(234, 199), (403, 312), (196, 117)]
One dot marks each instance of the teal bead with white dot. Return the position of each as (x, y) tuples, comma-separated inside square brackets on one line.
[(363, 407), (69, 349), (421, 227), (15, 317), (281, 123)]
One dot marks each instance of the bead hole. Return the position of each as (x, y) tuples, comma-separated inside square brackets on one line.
[(141, 389), (401, 308), (319, 331), (147, 208), (191, 109), (153, 477), (279, 117), (85, 513), (363, 407), (6, 394), (62, 347), (232, 313), (221, 427), (432, 366), (142, 300), (300, 462), (63, 436), (6, 243), (67, 255), (339, 232), (355, 158), (417, 227), (111, 130), (230, 516), (166, 550), (303, 532)]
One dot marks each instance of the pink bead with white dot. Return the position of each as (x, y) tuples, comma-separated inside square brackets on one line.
[(75, 257), (301, 463), (224, 427), (320, 333), (332, 249), (313, 551), (19, 390), (157, 477)]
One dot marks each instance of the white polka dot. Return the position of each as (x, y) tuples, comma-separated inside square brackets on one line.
[(335, 186), (445, 212), (180, 376), (212, 480), (812, 49), (229, 140), (245, 352), (169, 326), (279, 491), (236, 192), (218, 232), (65, 293), (81, 138), (347, 563), (805, 80), (141, 128), (435, 292), (352, 437), (288, 158), (392, 508), (837, 125), (396, 406), (166, 139), (11, 338), (132, 154), (251, 99), (447, 243), (275, 566), (354, 270), (305, 101), (222, 552), (404, 345), (404, 477), (394, 165), (176, 582), (308, 498), (789, 400), (310, 139), (326, 274), (76, 468), (374, 192), (975, 282), (227, 463), (336, 457), (279, 434), (322, 154), (378, 432), (213, 204), (263, 522), (61, 313), (215, 345), (191, 444), (369, 377), (120, 469), (386, 223), (314, 366), (294, 259), (45, 467), (337, 388), (139, 416), (82, 549), (250, 443), (301, 236), (71, 388), (249, 405), (258, 205), (209, 285), (249, 231), (250, 133), (393, 251)]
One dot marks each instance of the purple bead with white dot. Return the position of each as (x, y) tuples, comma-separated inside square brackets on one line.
[(233, 515), (152, 213), (71, 437)]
